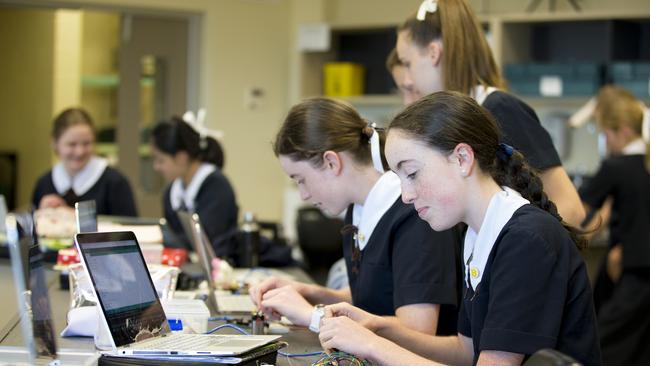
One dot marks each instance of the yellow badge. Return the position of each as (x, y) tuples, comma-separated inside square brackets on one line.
[(474, 272), (362, 238)]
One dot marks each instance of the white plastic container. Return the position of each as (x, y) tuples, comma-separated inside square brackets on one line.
[(193, 314)]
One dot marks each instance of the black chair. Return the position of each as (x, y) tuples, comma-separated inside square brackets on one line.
[(320, 240), (550, 357)]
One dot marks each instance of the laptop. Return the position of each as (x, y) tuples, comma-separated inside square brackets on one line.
[(223, 302), (33, 301), (131, 310), (85, 213)]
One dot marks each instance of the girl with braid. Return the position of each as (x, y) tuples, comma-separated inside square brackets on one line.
[(397, 266), (525, 283)]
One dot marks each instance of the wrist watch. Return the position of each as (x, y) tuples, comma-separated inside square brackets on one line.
[(316, 315)]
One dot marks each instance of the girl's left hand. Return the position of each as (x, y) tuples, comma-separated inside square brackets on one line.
[(344, 334)]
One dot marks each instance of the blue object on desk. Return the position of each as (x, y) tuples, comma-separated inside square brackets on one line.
[(175, 324)]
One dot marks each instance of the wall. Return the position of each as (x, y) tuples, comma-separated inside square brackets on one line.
[(99, 44), (243, 45), (26, 91)]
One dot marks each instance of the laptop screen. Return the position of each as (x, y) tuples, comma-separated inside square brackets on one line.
[(86, 216), (31, 285), (124, 289), (44, 336)]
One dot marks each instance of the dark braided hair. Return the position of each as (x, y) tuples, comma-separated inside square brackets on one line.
[(445, 119)]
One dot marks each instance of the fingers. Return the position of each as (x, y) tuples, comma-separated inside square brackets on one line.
[(258, 291)]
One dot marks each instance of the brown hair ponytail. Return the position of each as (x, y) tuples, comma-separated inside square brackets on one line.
[(320, 124), (443, 120), (466, 57)]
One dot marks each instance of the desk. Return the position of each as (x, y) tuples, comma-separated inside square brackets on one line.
[(300, 340)]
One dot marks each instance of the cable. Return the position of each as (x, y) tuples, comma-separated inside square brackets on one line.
[(308, 354), (218, 318), (341, 359), (240, 330)]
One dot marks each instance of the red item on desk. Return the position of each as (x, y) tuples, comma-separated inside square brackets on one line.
[(174, 257), (66, 257)]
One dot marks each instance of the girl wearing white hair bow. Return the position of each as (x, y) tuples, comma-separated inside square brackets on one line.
[(191, 160), (443, 47)]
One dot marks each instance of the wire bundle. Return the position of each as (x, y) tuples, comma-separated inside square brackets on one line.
[(341, 359)]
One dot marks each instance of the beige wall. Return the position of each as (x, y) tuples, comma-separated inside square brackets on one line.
[(26, 71), (99, 44), (244, 44)]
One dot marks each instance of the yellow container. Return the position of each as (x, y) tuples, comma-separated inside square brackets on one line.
[(342, 79)]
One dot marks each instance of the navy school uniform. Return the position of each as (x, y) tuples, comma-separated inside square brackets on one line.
[(405, 262), (534, 293), (624, 318), (213, 199), (106, 186), (521, 128)]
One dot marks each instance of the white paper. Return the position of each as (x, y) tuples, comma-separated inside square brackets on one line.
[(144, 233), (314, 37), (550, 86)]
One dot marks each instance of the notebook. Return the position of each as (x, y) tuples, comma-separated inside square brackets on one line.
[(221, 301), (131, 310), (33, 300)]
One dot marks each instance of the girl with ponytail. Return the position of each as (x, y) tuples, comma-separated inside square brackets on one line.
[(443, 47), (525, 283), (397, 266), (192, 164), (622, 288)]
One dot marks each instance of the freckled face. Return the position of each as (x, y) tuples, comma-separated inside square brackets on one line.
[(316, 185), (430, 180)]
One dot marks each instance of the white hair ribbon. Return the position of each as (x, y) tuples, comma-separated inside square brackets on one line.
[(197, 122), (427, 6), (375, 149)]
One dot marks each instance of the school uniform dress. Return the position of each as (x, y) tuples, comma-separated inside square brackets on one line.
[(526, 285), (96, 181), (520, 127), (210, 195), (396, 259), (624, 316)]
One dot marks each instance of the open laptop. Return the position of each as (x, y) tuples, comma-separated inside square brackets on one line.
[(85, 213), (33, 301), (223, 302), (131, 310)]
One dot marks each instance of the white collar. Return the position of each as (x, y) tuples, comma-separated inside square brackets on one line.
[(179, 194), (380, 198), (501, 208), (480, 93), (83, 181), (636, 147)]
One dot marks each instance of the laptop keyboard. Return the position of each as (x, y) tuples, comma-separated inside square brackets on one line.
[(183, 342)]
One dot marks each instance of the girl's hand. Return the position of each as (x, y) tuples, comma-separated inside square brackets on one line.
[(344, 334), (288, 302), (367, 320), (52, 201), (257, 292)]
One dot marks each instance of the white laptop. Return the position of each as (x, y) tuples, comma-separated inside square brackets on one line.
[(131, 310), (221, 301)]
